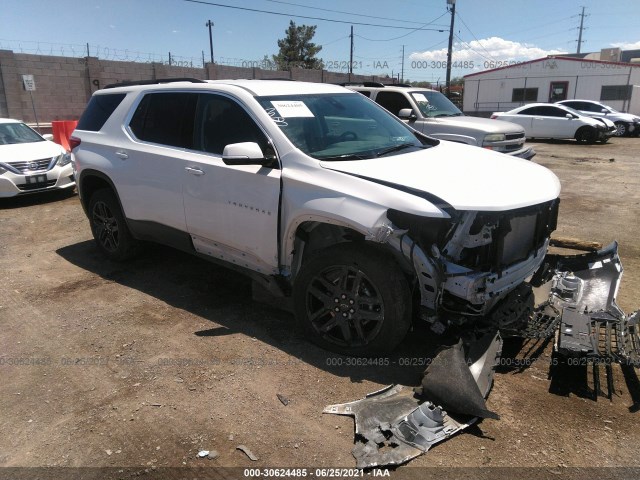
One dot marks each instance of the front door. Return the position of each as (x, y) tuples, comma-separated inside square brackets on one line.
[(231, 211)]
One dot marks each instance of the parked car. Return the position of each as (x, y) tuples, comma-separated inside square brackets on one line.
[(321, 196), (626, 123), (29, 163), (433, 114), (548, 120)]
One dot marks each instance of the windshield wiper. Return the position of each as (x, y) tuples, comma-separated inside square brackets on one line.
[(395, 148), (448, 115), (348, 156)]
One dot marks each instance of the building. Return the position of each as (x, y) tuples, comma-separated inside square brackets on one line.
[(560, 77)]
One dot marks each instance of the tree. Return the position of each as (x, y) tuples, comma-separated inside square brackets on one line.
[(297, 50)]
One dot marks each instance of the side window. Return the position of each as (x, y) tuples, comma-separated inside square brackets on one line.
[(221, 121), (393, 101), (99, 110), (551, 112), (530, 111), (166, 118), (576, 105), (366, 93)]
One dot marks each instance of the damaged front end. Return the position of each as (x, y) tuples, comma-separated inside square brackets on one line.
[(471, 274), (466, 265)]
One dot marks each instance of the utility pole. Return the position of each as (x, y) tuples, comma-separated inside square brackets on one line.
[(351, 52), (581, 28), (450, 50), (402, 74), (210, 24)]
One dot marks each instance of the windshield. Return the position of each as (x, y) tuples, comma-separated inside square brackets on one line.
[(11, 133), (574, 111), (435, 104), (339, 126)]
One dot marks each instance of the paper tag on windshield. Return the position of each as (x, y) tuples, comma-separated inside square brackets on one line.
[(292, 108), (420, 97)]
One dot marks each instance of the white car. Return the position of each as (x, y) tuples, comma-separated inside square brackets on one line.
[(548, 120), (321, 196), (626, 123), (29, 163)]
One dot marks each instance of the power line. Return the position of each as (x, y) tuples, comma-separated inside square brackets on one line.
[(406, 34), (246, 9), (476, 39), (345, 13)]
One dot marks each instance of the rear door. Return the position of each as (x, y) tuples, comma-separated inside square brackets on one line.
[(231, 211), (149, 180)]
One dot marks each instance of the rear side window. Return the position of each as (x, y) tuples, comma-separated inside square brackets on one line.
[(99, 110), (166, 118)]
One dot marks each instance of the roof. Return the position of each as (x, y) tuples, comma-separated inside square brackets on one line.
[(9, 120), (553, 57), (254, 87)]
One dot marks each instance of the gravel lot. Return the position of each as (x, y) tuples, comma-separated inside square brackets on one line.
[(146, 363)]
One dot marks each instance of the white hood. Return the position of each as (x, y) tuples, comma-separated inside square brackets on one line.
[(25, 152), (467, 178)]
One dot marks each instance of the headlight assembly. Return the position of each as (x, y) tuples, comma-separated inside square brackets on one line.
[(63, 159)]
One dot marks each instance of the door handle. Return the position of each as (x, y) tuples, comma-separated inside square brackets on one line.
[(194, 171), (121, 154)]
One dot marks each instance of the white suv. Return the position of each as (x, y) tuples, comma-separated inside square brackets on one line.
[(320, 195)]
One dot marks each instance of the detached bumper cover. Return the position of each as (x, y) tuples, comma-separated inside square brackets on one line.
[(583, 297)]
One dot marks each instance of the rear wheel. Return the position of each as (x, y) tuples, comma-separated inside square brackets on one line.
[(353, 299), (586, 135), (109, 227)]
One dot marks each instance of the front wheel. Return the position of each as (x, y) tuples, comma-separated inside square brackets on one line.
[(109, 227), (586, 135), (353, 299), (621, 129)]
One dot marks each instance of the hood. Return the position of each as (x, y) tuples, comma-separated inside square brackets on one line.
[(606, 121), (24, 152), (465, 177), (485, 125)]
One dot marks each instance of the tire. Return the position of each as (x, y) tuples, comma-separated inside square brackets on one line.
[(353, 299), (109, 227), (622, 129), (586, 135)]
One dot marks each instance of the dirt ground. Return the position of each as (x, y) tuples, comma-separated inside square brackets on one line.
[(144, 364)]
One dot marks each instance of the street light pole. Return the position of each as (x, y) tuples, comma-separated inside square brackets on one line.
[(210, 24)]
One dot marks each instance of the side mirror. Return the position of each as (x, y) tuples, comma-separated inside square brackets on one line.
[(569, 116), (245, 153), (48, 136), (604, 110), (407, 114)]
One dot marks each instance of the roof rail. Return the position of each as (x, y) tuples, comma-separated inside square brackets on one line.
[(154, 82), (362, 84), (397, 85)]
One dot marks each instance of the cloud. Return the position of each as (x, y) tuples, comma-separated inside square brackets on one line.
[(175, 31), (112, 27), (480, 51), (627, 46)]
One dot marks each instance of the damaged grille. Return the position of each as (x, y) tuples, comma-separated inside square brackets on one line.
[(516, 235)]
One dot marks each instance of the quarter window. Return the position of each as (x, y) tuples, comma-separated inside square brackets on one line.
[(98, 111)]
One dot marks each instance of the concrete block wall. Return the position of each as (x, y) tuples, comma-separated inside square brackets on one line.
[(64, 85)]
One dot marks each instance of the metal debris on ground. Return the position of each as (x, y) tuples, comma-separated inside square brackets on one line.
[(247, 452), (396, 424)]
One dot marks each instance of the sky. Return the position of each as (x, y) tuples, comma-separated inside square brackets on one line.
[(488, 33)]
